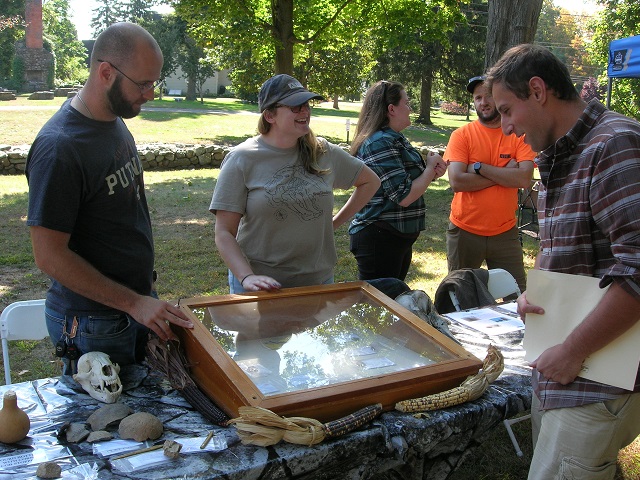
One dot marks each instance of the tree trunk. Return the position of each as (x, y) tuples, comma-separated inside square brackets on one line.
[(511, 22), (191, 89), (335, 102), (282, 15), (426, 83)]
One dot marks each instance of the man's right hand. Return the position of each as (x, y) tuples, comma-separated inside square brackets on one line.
[(157, 315)]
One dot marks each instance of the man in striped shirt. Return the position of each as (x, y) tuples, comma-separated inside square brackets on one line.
[(589, 209)]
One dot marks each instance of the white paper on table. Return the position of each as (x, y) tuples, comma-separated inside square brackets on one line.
[(567, 300), (487, 320)]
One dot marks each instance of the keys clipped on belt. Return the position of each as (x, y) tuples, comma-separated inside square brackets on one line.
[(65, 347)]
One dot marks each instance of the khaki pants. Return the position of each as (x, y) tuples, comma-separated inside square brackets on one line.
[(582, 443), (467, 250)]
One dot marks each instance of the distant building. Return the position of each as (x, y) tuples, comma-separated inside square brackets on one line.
[(216, 85)]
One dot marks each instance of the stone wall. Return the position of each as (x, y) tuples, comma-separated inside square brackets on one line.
[(154, 156)]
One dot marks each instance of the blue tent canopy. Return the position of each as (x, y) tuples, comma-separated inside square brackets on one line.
[(624, 60)]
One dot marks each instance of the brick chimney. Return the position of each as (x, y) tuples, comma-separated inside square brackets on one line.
[(38, 62), (33, 17)]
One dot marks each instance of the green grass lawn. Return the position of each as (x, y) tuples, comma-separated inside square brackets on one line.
[(221, 121)]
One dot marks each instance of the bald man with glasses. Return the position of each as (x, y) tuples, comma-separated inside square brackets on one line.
[(88, 215)]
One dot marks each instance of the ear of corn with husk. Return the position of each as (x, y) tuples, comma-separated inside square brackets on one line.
[(259, 426), (471, 389)]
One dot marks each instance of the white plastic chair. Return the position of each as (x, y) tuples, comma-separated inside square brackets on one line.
[(21, 321), (501, 283)]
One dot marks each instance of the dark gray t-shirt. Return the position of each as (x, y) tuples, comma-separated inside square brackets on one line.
[(85, 179)]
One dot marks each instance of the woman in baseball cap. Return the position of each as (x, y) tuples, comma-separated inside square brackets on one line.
[(273, 200)]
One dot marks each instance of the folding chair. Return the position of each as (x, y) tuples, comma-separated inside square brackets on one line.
[(21, 321), (507, 424), (500, 284), (527, 207)]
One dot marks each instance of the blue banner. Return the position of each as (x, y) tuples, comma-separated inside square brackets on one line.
[(624, 57)]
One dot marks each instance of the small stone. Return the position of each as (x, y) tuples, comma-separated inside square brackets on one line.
[(99, 436), (49, 470), (140, 426), (172, 449), (76, 432)]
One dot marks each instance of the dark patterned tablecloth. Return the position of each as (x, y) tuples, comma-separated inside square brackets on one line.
[(395, 445)]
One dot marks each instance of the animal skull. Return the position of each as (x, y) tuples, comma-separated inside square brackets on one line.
[(99, 377)]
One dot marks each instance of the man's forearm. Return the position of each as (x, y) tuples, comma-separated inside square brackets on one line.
[(510, 177)]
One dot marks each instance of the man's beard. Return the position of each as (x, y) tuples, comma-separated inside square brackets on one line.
[(117, 103), (489, 118)]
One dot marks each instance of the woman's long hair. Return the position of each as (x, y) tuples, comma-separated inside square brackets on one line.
[(310, 149), (374, 113)]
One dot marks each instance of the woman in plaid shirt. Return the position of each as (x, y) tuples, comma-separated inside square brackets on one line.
[(384, 231)]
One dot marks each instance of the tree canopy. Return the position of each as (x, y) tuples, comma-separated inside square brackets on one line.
[(70, 53)]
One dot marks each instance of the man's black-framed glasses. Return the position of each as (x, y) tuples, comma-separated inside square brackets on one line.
[(144, 87), (297, 108)]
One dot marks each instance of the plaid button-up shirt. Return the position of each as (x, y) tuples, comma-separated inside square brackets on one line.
[(589, 213), (390, 155)]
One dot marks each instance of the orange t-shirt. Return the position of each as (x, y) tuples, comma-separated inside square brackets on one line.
[(489, 211)]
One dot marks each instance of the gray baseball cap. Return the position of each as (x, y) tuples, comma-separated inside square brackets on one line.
[(283, 89)]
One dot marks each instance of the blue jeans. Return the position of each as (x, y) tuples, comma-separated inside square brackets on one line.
[(118, 335)]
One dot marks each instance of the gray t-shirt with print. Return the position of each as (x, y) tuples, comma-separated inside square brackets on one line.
[(286, 231)]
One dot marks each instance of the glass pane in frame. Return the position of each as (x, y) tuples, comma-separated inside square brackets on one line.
[(290, 344), (321, 351)]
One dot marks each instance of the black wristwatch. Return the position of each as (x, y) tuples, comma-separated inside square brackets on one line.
[(476, 167)]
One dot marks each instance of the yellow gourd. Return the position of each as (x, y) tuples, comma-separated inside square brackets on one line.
[(14, 422)]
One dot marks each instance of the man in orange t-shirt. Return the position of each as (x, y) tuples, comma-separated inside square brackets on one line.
[(486, 169)]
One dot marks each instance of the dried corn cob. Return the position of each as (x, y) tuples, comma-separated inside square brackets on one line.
[(351, 422), (471, 389), (436, 401), (259, 426), (493, 363)]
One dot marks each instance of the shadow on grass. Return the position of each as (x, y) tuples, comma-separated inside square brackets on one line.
[(168, 116), (235, 106), (226, 140)]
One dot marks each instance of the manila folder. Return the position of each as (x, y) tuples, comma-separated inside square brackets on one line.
[(567, 300)]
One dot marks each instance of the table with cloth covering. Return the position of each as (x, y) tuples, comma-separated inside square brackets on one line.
[(395, 445)]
